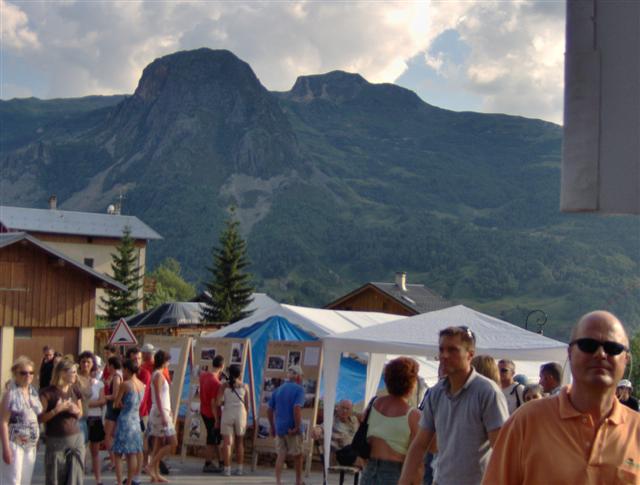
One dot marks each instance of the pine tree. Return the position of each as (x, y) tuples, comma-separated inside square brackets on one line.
[(230, 287), (120, 304)]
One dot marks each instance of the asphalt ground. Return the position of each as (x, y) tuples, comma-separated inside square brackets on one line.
[(189, 472)]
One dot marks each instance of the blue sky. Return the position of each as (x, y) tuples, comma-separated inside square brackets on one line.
[(488, 56)]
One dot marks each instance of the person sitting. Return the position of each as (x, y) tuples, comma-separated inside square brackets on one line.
[(345, 425)]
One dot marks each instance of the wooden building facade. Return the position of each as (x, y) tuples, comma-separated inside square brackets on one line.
[(46, 298)]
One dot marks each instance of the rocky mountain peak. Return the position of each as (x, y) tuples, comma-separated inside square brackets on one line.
[(334, 86), (196, 72)]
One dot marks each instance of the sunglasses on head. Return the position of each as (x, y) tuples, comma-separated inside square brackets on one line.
[(590, 345), (468, 331)]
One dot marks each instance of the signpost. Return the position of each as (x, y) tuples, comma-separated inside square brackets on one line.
[(122, 335)]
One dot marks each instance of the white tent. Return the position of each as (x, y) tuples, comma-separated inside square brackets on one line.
[(316, 321), (418, 336)]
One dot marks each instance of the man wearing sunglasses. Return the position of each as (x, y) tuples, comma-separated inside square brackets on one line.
[(465, 410), (582, 435)]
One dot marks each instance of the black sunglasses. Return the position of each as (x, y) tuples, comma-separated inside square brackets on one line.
[(26, 372), (504, 370), (590, 345)]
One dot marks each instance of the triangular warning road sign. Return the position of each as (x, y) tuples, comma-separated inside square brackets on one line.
[(122, 335)]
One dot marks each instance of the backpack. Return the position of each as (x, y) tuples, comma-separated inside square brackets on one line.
[(515, 389)]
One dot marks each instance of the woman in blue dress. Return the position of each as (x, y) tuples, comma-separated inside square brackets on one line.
[(128, 437)]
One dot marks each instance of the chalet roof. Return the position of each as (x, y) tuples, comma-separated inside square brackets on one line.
[(10, 238), (417, 297), (73, 222)]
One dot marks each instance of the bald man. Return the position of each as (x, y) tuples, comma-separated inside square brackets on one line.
[(582, 435)]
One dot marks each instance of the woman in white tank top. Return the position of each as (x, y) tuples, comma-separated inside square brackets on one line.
[(234, 396), (161, 425)]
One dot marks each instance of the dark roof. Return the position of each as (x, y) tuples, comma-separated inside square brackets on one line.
[(7, 239), (72, 222), (417, 297)]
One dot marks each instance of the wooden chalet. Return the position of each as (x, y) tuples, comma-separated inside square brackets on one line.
[(397, 298), (46, 298), (87, 237)]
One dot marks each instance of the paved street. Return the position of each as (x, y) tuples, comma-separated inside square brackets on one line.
[(189, 473)]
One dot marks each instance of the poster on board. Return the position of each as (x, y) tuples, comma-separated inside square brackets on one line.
[(281, 355), (179, 349), (235, 351)]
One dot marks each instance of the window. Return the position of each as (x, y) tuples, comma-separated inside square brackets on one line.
[(88, 262), (22, 333)]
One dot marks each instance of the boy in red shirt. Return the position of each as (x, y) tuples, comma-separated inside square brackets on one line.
[(210, 411)]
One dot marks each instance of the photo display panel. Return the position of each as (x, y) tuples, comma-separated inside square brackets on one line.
[(281, 355), (235, 351), (179, 349)]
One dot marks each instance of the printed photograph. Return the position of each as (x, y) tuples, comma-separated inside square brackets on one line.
[(266, 395), (272, 383), (309, 386), (295, 358), (236, 353), (207, 354), (308, 400), (195, 428), (264, 428), (275, 362), (305, 428)]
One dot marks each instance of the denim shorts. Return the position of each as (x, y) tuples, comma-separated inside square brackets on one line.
[(381, 472)]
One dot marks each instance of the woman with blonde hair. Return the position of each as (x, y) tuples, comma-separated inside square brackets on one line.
[(62, 405), (19, 431), (487, 366)]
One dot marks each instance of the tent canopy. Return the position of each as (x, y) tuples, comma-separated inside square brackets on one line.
[(180, 313), (318, 322), (419, 336)]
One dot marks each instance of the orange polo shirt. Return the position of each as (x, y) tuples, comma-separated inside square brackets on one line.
[(548, 442)]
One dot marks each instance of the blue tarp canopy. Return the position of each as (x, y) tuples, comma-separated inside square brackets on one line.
[(352, 374)]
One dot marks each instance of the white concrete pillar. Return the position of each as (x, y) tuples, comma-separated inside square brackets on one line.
[(6, 354)]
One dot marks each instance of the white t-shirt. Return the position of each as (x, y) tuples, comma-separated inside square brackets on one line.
[(96, 386), (514, 394)]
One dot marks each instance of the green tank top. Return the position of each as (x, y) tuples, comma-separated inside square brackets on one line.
[(394, 431)]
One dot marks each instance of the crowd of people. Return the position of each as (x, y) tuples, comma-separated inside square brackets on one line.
[(84, 406), (484, 424), (480, 424)]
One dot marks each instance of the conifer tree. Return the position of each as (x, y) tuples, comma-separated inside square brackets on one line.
[(230, 287), (119, 304)]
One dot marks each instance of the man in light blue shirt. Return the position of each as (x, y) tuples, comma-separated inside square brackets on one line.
[(465, 411), (285, 419)]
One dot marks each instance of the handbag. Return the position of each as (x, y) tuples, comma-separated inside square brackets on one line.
[(359, 444)]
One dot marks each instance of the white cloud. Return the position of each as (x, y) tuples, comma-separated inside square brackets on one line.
[(516, 54), (14, 29), (515, 62)]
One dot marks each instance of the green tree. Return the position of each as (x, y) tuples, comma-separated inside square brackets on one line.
[(119, 304), (230, 287), (170, 285)]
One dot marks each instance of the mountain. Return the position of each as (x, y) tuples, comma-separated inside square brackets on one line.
[(336, 182)]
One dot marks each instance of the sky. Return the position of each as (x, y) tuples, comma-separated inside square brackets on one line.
[(487, 56)]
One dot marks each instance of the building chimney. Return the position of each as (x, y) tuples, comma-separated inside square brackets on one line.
[(401, 280), (53, 202)]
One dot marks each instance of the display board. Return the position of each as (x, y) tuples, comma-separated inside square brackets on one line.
[(281, 355), (179, 349), (235, 351)]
